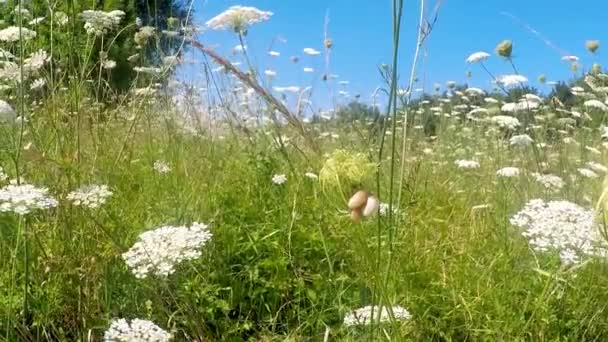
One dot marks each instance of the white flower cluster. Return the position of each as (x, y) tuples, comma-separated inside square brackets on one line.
[(36, 61), (238, 18), (312, 176), (137, 330), (161, 167), (99, 23), (505, 121), (7, 113), (279, 179), (12, 34), (550, 182), (511, 80), (478, 57), (24, 198), (562, 226), (91, 196), (596, 104), (508, 172), (587, 173), (467, 164), (363, 316), (521, 140), (158, 251)]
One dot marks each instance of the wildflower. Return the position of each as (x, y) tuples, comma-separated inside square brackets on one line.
[(549, 182), (158, 251), (36, 61), (520, 140), (91, 196), (363, 316), (38, 84), (270, 73), (597, 167), (478, 57), (136, 330), (290, 89), (467, 164), (562, 226), (11, 34), (309, 70), (161, 167), (593, 150), (99, 23), (508, 172), (596, 104), (143, 35), (274, 53), (108, 64), (311, 52), (7, 113), (505, 121), (570, 58), (238, 19), (587, 173), (504, 48), (592, 45), (24, 198), (36, 21), (279, 179), (480, 207), (511, 80), (61, 18), (311, 175)]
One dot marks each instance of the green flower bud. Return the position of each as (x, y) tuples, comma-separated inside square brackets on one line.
[(504, 48)]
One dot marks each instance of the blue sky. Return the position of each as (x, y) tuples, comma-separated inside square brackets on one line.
[(361, 31)]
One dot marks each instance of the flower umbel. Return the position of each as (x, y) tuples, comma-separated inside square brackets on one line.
[(137, 330), (158, 251)]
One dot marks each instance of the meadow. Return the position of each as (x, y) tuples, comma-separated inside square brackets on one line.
[(149, 209)]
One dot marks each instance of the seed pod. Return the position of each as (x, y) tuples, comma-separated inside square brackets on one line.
[(371, 207), (358, 200), (328, 43)]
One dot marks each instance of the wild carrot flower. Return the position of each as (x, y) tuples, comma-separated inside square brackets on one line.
[(99, 23), (311, 52), (7, 113), (11, 34), (467, 164), (521, 140), (549, 181), (346, 168), (159, 251), (279, 179), (24, 198), (161, 167), (508, 172), (137, 330), (587, 173), (91, 196), (505, 121), (238, 19), (596, 104), (511, 80), (38, 84), (561, 226), (311, 175), (363, 316), (478, 57)]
